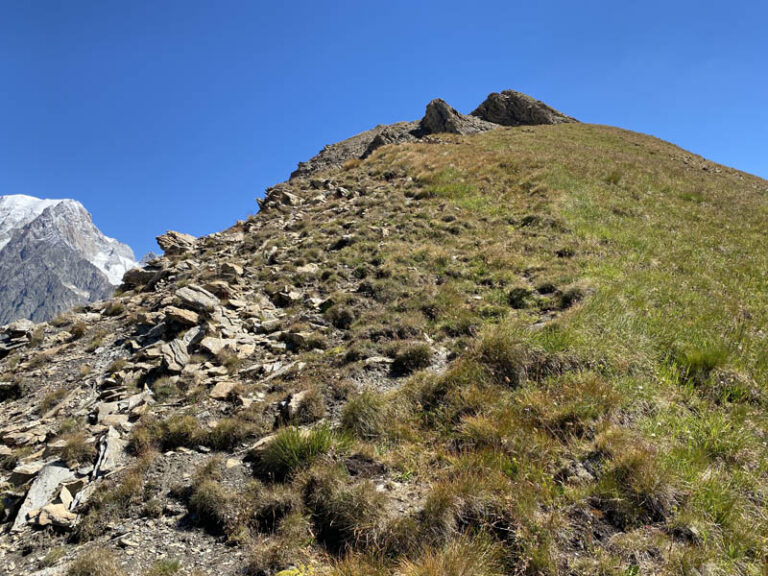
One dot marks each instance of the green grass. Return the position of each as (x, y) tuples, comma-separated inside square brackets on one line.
[(293, 449)]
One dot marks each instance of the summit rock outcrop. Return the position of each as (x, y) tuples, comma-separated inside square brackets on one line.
[(508, 108)]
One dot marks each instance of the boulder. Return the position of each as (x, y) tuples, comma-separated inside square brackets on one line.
[(138, 277), (20, 328), (231, 270), (216, 345)]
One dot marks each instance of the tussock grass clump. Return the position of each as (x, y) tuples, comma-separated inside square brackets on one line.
[(411, 357), (96, 562), (293, 449), (365, 415), (77, 449), (634, 488), (478, 556), (573, 404), (311, 408), (169, 434), (344, 515), (696, 363)]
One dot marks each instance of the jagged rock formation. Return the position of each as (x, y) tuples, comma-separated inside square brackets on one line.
[(52, 258), (438, 352), (509, 108)]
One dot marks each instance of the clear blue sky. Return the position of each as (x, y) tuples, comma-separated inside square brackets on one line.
[(177, 114)]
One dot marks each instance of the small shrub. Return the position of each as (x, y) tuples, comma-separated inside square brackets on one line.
[(410, 358), (78, 330), (164, 568)]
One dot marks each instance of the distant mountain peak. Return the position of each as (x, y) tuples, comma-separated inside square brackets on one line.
[(53, 257)]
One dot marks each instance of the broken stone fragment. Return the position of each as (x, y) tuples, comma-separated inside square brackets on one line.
[(182, 316), (23, 473), (175, 355), (231, 270), (111, 453), (196, 298), (222, 390), (55, 515), (175, 243)]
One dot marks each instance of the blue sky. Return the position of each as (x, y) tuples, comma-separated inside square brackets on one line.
[(177, 114)]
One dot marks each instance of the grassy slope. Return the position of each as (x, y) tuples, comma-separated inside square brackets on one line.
[(655, 378)]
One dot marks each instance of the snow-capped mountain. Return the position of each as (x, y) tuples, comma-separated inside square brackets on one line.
[(52, 257)]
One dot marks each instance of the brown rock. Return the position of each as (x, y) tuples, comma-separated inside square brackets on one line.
[(182, 316)]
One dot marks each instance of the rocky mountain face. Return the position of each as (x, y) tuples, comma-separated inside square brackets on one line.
[(464, 352), (53, 258)]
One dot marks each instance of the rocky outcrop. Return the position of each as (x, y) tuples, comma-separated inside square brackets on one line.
[(174, 243), (510, 108), (441, 118)]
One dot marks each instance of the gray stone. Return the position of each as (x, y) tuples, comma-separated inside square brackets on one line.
[(196, 298), (175, 355)]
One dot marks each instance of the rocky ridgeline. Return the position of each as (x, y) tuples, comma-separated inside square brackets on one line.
[(231, 325)]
